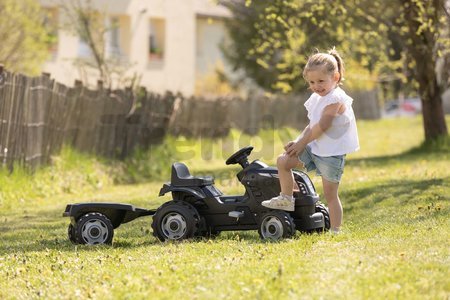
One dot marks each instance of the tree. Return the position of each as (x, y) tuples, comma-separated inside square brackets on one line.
[(419, 30), (444, 60), (423, 21), (272, 40), (92, 27), (24, 40), (88, 24), (402, 38)]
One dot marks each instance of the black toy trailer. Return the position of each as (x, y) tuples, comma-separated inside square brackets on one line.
[(94, 223), (199, 209)]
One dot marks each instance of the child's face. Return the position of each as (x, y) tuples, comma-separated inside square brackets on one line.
[(321, 82)]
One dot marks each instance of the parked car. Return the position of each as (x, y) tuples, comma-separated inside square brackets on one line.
[(402, 107)]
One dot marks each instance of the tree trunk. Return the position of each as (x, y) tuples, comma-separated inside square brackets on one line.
[(430, 93), (424, 39), (433, 116)]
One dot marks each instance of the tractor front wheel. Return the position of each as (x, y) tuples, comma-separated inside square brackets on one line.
[(326, 216), (275, 225)]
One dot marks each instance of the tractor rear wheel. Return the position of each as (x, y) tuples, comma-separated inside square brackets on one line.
[(175, 220)]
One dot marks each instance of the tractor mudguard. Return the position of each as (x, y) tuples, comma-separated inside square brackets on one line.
[(167, 187), (118, 213)]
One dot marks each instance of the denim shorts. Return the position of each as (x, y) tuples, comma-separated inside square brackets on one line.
[(329, 167)]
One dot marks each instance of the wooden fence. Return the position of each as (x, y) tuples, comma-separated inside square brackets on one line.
[(214, 117), (38, 116)]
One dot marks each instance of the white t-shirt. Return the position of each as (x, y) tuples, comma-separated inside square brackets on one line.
[(342, 137)]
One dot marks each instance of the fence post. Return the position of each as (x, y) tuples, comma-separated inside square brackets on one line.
[(100, 84), (1, 73), (78, 83)]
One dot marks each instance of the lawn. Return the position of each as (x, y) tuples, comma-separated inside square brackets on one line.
[(394, 245)]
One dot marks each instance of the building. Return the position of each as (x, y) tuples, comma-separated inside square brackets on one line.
[(169, 44)]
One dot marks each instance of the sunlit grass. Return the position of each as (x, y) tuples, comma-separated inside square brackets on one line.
[(394, 243)]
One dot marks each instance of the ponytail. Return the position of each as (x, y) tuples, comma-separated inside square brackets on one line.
[(340, 63)]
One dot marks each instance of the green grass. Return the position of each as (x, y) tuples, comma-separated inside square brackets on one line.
[(395, 241)]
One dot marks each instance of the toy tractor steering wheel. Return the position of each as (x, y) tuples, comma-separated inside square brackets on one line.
[(240, 157)]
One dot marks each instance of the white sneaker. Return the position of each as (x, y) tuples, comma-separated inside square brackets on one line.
[(282, 202)]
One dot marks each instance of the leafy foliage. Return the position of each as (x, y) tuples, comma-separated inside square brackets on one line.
[(272, 40), (382, 40), (24, 40)]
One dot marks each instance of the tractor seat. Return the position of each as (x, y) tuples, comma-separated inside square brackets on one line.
[(182, 177)]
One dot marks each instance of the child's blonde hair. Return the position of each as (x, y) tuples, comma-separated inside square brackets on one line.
[(332, 62)]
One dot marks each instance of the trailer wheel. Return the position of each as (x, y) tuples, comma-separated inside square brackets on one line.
[(276, 225), (326, 216), (175, 220), (72, 234), (94, 229)]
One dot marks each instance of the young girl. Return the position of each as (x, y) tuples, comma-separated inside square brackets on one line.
[(323, 144)]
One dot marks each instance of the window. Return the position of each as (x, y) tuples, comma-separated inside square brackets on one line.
[(90, 30), (84, 51), (113, 45), (156, 39), (117, 41)]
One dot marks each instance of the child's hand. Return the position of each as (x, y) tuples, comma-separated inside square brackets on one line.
[(294, 148), (288, 145)]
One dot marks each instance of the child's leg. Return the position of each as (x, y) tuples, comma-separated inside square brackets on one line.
[(330, 190), (285, 201), (285, 164)]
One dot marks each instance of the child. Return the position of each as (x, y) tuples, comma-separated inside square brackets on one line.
[(323, 144)]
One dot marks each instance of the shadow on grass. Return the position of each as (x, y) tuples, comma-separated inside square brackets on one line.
[(433, 151), (44, 230), (398, 202), (403, 190), (400, 192), (47, 230), (33, 231)]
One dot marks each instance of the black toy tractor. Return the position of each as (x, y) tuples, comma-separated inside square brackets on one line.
[(199, 209)]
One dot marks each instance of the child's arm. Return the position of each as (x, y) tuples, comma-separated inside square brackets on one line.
[(302, 134), (297, 139), (314, 132)]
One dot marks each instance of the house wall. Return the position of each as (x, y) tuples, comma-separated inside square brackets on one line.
[(61, 66), (210, 33), (177, 70)]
